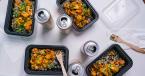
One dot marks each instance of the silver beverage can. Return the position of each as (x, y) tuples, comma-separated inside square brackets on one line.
[(64, 23), (76, 69), (43, 17), (90, 48)]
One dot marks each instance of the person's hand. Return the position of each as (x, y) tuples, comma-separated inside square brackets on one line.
[(117, 38), (132, 46)]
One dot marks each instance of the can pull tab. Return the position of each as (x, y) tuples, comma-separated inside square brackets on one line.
[(76, 71), (41, 15), (63, 22), (92, 49)]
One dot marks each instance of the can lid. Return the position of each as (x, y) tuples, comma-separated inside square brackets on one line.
[(64, 21), (90, 48), (42, 15), (76, 69)]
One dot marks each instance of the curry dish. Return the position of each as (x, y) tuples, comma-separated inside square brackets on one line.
[(79, 11), (22, 16), (43, 59), (108, 65)]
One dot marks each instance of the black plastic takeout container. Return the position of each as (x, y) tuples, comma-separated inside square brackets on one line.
[(8, 20), (27, 68), (94, 14), (121, 53)]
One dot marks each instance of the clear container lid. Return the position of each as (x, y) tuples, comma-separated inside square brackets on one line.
[(118, 13)]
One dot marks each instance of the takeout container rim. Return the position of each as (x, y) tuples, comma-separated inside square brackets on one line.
[(27, 54), (120, 51), (94, 12), (8, 18)]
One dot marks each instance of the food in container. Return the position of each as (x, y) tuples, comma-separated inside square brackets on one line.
[(19, 18), (76, 69), (22, 13), (84, 15), (41, 60), (113, 62), (90, 48), (79, 11), (64, 23), (107, 65)]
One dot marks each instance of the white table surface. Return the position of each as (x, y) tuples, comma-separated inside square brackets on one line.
[(12, 48)]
